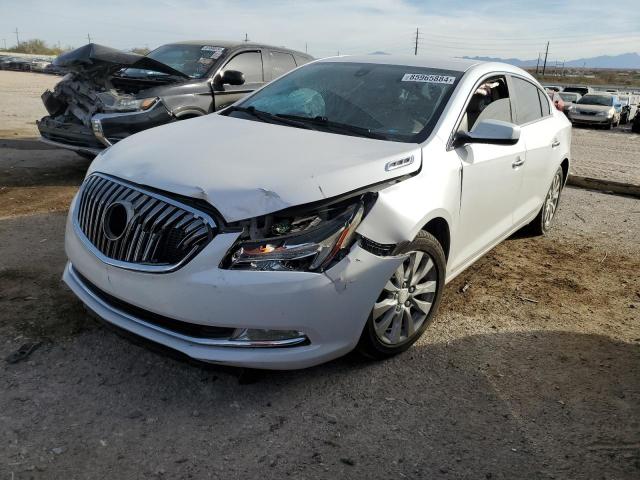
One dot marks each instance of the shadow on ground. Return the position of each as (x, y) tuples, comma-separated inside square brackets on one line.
[(27, 162), (506, 405)]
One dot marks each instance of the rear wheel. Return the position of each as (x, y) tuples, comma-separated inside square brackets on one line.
[(409, 301), (542, 223)]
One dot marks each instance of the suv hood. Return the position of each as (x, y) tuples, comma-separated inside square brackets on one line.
[(248, 168), (106, 60)]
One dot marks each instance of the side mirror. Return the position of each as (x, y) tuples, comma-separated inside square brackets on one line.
[(232, 77), (494, 132)]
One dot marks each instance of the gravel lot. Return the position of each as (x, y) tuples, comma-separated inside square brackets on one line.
[(532, 372)]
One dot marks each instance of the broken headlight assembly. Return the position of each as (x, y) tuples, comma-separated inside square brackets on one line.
[(133, 104), (298, 241)]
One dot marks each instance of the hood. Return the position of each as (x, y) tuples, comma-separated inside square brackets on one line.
[(247, 168), (93, 57), (593, 108)]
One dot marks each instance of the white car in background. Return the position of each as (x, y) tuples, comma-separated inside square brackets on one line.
[(570, 99), (323, 213)]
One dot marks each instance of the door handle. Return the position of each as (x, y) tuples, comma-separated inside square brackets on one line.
[(518, 162), (556, 143)]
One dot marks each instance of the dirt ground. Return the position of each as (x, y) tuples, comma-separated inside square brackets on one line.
[(531, 373)]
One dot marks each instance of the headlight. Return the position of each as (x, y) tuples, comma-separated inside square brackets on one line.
[(133, 104), (308, 241)]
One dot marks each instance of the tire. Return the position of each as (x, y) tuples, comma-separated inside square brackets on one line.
[(541, 224), (400, 318), (609, 125)]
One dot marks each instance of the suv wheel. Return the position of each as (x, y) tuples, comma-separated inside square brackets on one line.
[(409, 301)]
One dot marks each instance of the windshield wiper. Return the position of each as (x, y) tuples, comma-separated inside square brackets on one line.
[(336, 126), (269, 117)]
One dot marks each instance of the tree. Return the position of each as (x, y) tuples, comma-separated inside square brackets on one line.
[(38, 47)]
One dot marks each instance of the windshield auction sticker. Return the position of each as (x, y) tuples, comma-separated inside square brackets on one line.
[(209, 51), (422, 77)]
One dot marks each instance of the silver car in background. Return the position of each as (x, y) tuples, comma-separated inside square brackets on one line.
[(598, 109)]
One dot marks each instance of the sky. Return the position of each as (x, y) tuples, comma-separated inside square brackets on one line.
[(496, 28)]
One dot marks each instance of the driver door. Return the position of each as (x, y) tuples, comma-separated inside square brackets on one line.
[(251, 65), (491, 175)]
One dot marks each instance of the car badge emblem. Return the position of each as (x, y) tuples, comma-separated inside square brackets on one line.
[(116, 219)]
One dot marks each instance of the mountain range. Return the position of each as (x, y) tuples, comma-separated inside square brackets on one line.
[(622, 61)]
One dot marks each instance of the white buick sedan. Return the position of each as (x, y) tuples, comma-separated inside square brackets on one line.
[(321, 214)]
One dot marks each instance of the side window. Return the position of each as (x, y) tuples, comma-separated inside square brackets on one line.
[(250, 64), (527, 101), (281, 63), (300, 60), (490, 101), (544, 101)]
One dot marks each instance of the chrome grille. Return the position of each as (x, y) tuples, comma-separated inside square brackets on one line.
[(160, 234)]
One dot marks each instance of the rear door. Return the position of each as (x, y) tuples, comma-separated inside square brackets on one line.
[(250, 63), (539, 132)]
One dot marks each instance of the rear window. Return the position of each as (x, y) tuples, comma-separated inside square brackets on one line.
[(544, 103), (528, 106)]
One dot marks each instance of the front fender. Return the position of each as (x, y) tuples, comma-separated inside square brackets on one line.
[(403, 209)]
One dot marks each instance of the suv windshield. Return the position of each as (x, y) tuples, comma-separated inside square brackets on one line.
[(192, 60), (391, 102), (602, 100), (569, 97)]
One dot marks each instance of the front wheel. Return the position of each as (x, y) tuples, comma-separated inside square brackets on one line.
[(408, 302)]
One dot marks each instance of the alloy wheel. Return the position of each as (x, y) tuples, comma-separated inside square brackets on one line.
[(406, 300), (551, 202)]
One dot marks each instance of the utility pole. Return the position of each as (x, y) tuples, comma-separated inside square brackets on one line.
[(89, 37), (305, 47), (246, 37), (17, 37), (417, 36), (546, 54), (4, 40), (538, 63), (563, 67)]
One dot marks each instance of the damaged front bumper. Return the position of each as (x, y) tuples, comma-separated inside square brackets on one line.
[(105, 128), (326, 310)]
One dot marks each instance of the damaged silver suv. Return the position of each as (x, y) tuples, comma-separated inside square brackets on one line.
[(109, 95)]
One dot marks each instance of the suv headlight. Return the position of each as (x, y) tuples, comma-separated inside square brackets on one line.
[(133, 104), (306, 241)]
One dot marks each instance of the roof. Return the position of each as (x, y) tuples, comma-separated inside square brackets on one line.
[(235, 44), (443, 63)]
